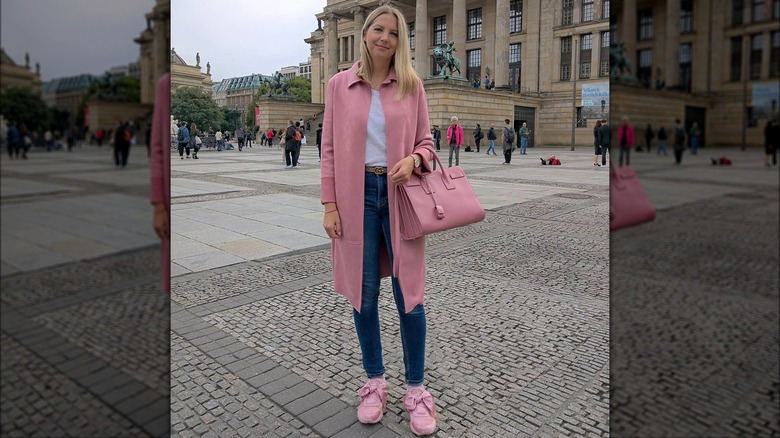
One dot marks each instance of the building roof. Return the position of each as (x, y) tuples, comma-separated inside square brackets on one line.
[(243, 82), (4, 58), (70, 83), (176, 59)]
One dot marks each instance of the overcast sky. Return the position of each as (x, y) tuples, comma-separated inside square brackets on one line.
[(70, 37), (241, 37)]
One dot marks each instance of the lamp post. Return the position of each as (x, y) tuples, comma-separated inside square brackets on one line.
[(574, 72)]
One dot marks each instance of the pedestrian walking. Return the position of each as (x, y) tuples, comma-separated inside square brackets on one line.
[(661, 141), (183, 139), (455, 139), (524, 134), (649, 136), (679, 142), (319, 142), (218, 139), (437, 137), (250, 135), (491, 139), (478, 135), (13, 139), (625, 138), (359, 197), (291, 146), (596, 146), (771, 142), (509, 141), (195, 140), (605, 141), (694, 135), (240, 137)]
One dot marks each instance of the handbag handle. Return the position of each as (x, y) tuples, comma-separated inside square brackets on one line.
[(444, 179)]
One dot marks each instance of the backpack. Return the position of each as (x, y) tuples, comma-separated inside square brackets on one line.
[(180, 136), (126, 135), (297, 135), (510, 135)]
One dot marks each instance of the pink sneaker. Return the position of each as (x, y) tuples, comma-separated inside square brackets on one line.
[(422, 412), (373, 400)]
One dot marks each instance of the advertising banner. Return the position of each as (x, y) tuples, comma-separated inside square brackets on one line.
[(765, 100), (595, 100)]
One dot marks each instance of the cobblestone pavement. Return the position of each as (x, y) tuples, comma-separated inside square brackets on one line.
[(694, 302), (85, 326), (263, 346)]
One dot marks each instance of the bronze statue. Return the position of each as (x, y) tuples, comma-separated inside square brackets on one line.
[(27, 59), (37, 68), (277, 85), (208, 68), (619, 65), (442, 56), (197, 59)]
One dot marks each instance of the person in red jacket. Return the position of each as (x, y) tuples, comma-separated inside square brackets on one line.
[(625, 137)]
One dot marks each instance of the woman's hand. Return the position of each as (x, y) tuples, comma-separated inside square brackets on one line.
[(332, 223), (402, 171), (160, 221)]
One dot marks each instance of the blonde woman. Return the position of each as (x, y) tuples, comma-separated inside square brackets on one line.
[(363, 159)]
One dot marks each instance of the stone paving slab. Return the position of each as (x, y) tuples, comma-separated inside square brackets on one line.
[(21, 187), (187, 187)]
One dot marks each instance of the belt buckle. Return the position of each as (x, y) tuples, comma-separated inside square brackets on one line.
[(379, 171)]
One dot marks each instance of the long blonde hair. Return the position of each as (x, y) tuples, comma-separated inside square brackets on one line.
[(402, 60)]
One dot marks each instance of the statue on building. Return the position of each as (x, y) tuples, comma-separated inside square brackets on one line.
[(197, 59), (277, 85), (172, 54), (619, 65), (27, 59), (442, 56), (208, 68), (37, 68)]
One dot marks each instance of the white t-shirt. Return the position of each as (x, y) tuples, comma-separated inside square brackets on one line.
[(376, 135)]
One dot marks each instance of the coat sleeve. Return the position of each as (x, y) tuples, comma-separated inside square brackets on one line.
[(158, 172), (327, 173), (423, 142)]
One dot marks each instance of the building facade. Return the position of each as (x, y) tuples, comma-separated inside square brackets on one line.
[(67, 93), (155, 42), (699, 61), (15, 75), (538, 53), (237, 93), (304, 69), (185, 75)]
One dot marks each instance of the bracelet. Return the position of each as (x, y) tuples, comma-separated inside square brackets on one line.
[(331, 211)]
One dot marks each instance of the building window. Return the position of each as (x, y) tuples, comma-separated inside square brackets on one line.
[(440, 30), (587, 10), (514, 66), (566, 58), (604, 8), (568, 12), (473, 63), (686, 16), (645, 20), (737, 10), (756, 44), (736, 59), (645, 65), (774, 59), (474, 30), (752, 120), (515, 16), (776, 9), (604, 55), (758, 11), (581, 123), (586, 50), (411, 35), (685, 66)]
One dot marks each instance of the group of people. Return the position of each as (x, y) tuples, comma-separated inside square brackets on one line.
[(488, 83), (455, 139)]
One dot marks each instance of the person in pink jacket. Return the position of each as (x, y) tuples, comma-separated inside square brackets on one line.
[(625, 137), (455, 139), (160, 174), (375, 133)]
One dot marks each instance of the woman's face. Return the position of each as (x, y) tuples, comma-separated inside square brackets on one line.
[(382, 37), (454, 123)]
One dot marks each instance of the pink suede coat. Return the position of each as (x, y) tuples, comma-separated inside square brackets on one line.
[(160, 165), (343, 178)]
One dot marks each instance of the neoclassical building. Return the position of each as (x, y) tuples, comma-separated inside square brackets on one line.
[(185, 75), (154, 43), (15, 75), (539, 53), (700, 61)]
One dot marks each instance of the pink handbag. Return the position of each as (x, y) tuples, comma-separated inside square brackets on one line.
[(437, 201), (628, 203)]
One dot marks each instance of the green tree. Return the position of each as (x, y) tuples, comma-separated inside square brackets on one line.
[(300, 88), (129, 88), (23, 106), (61, 119), (194, 105)]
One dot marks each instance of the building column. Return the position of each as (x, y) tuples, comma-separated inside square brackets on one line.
[(672, 47), (627, 33), (501, 69), (359, 15), (331, 46), (459, 33), (422, 39)]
